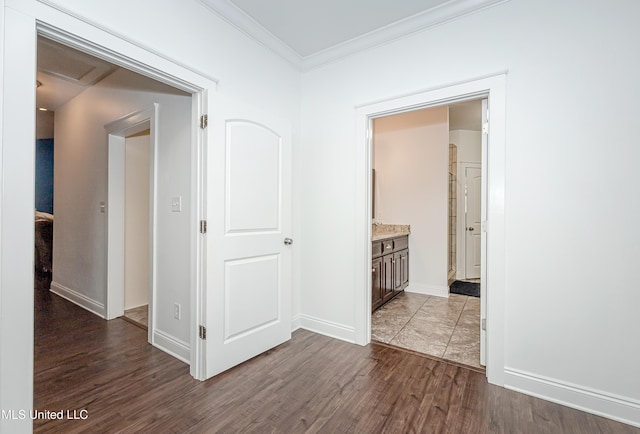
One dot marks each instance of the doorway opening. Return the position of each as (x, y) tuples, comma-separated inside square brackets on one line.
[(415, 157), (132, 219), (137, 228), (110, 231), (492, 285)]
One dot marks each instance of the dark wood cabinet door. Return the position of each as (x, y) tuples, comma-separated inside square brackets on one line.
[(397, 271), (404, 268), (387, 270), (377, 283)]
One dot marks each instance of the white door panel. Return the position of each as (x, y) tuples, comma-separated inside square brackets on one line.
[(254, 279), (253, 153), (249, 216), (473, 187)]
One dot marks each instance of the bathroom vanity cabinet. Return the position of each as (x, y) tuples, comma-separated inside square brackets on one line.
[(389, 269)]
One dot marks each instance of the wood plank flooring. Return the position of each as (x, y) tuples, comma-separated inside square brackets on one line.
[(310, 384)]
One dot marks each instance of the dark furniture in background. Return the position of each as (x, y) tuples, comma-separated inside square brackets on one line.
[(43, 248)]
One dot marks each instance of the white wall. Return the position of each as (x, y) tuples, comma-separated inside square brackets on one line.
[(136, 222), (80, 185), (411, 153), (469, 146), (571, 218), (44, 124)]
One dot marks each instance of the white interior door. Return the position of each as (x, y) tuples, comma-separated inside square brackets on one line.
[(473, 188), (248, 246)]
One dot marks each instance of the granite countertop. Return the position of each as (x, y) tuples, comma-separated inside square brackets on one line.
[(381, 231)]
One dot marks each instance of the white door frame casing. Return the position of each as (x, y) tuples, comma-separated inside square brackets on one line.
[(16, 218), (22, 23), (493, 275), (117, 131)]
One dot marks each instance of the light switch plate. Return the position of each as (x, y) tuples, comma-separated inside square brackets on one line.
[(176, 204)]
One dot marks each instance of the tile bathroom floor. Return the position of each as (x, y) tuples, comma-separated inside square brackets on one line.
[(138, 316), (448, 328)]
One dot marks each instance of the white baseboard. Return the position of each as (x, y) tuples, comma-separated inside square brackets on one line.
[(295, 323), (418, 288), (619, 408), (81, 300), (327, 328), (172, 345)]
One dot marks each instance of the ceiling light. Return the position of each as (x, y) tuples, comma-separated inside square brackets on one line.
[(42, 109)]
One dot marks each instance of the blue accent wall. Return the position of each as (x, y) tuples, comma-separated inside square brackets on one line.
[(44, 175)]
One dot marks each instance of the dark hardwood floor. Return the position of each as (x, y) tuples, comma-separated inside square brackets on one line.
[(310, 384)]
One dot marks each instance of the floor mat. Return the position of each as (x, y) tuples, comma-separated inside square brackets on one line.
[(465, 288)]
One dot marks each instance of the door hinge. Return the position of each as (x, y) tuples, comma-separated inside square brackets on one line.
[(203, 226), (485, 128), (202, 332), (483, 324), (204, 121)]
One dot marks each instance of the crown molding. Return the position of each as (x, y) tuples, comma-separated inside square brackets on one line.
[(424, 20), (435, 16), (247, 25)]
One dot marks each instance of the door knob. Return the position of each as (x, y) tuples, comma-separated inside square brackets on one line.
[(288, 241), (470, 229)]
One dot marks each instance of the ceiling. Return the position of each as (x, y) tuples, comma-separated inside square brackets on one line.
[(310, 33), (64, 73), (309, 27)]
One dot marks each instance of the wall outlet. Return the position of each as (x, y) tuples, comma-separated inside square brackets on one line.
[(176, 311)]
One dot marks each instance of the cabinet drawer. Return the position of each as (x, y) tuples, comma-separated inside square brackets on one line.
[(376, 249), (400, 243), (387, 247)]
